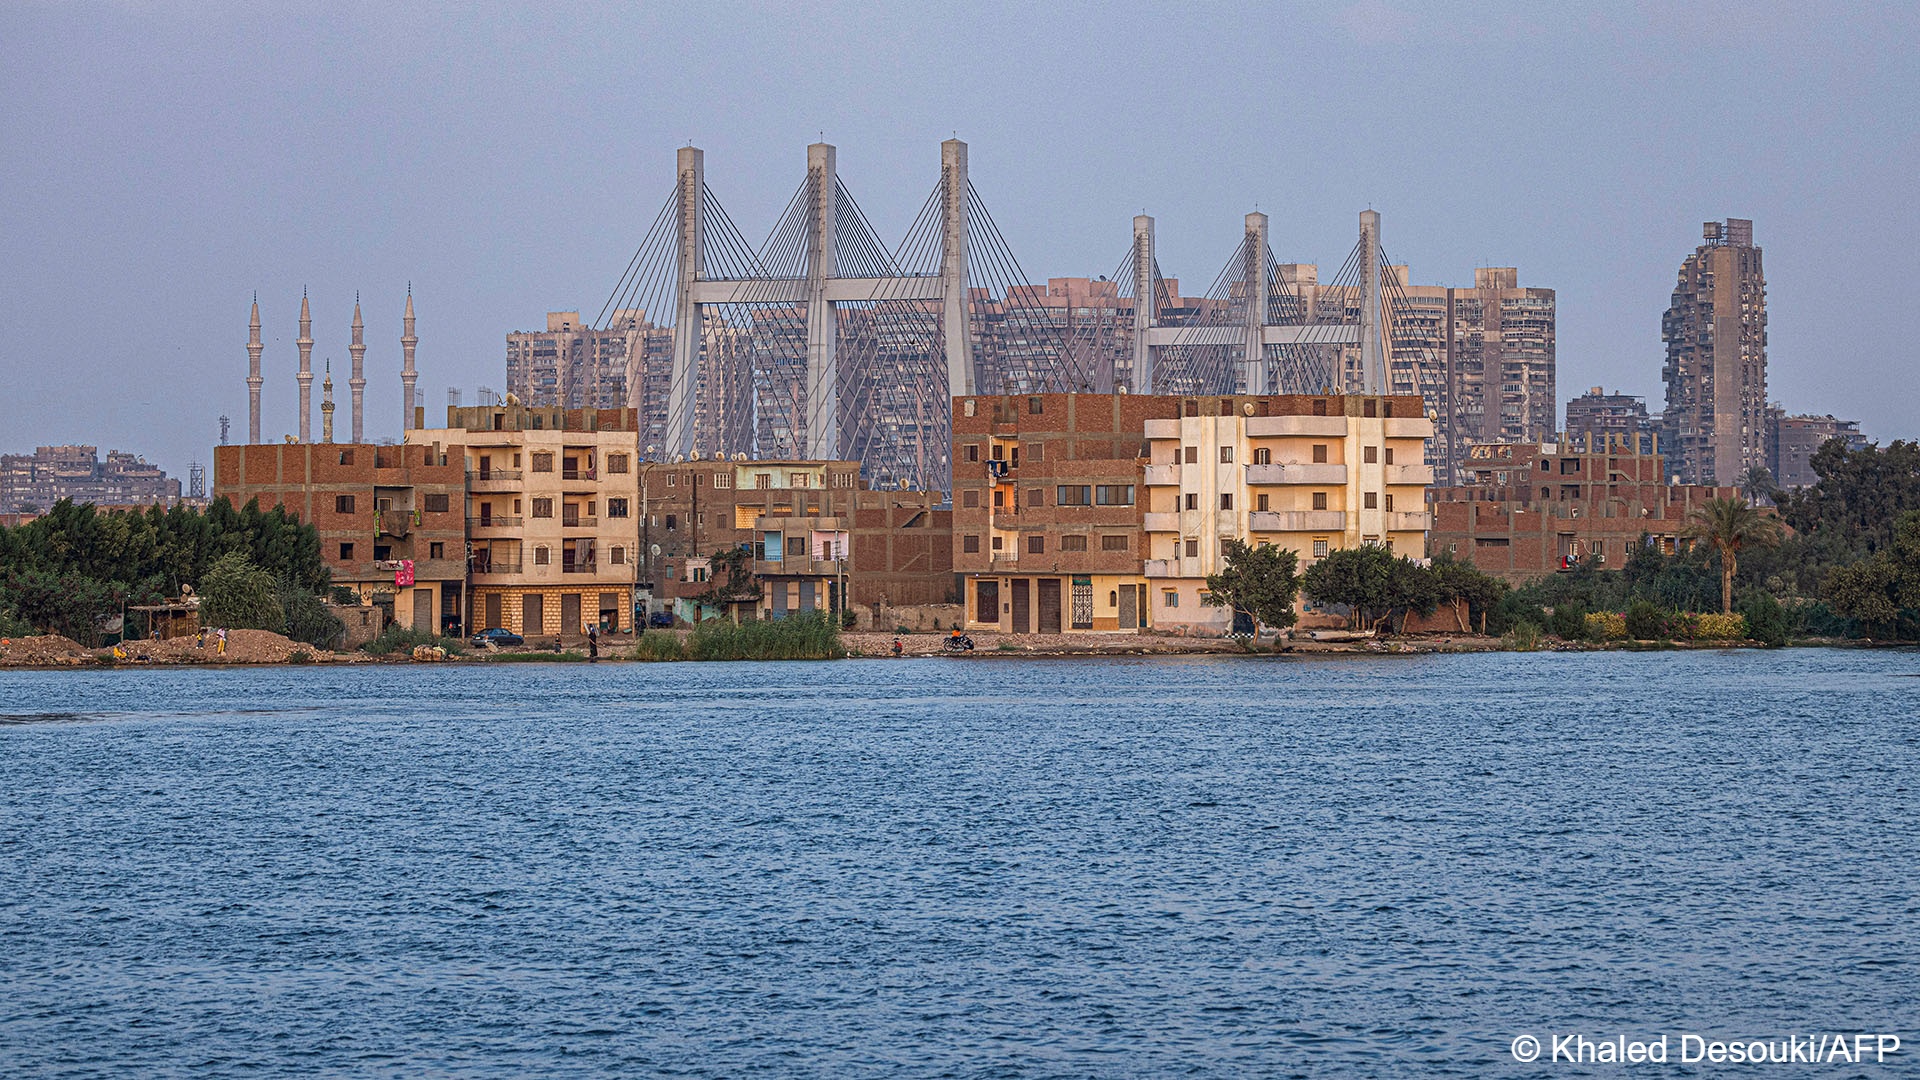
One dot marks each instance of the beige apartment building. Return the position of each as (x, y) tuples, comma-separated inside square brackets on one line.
[(552, 525), (1309, 474)]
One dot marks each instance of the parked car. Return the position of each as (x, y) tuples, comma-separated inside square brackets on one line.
[(497, 636), (661, 618)]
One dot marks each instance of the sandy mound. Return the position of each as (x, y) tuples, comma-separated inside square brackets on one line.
[(43, 649), (243, 647)]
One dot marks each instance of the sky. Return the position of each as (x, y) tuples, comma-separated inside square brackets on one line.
[(160, 163)]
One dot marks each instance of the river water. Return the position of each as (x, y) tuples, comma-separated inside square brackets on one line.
[(1206, 866)]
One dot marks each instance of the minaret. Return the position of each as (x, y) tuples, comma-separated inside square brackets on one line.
[(407, 374), (326, 406), (358, 382), (305, 341), (253, 374)]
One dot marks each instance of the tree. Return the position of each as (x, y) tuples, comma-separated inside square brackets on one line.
[(236, 594), (1465, 588), (1360, 579), (1859, 495), (1261, 581), (1757, 485), (1879, 590), (1727, 526)]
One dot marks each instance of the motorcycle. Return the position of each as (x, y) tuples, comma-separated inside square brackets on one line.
[(963, 643)]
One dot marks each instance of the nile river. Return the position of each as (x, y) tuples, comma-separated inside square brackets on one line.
[(1133, 867)]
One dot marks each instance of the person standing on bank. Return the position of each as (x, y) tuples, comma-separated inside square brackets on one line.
[(593, 642)]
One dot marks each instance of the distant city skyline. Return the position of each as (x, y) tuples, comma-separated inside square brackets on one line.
[(168, 163)]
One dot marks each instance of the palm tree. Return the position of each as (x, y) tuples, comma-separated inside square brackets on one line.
[(1757, 484), (1729, 525)]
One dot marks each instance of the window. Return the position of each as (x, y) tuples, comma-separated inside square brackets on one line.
[(1226, 407), (617, 508), (1320, 407), (673, 479), (1170, 598), (516, 507), (1036, 497), (762, 481), (1036, 544), (973, 451), (797, 547), (1226, 500), (1192, 408), (343, 504), (673, 522), (996, 543), (1319, 453), (1371, 407), (1073, 495), (1193, 455), (1263, 456), (1193, 549), (436, 504), (1370, 500), (1389, 455), (1113, 542), (1033, 405), (617, 555), (346, 457), (999, 499), (1386, 408), (1113, 495), (346, 552), (543, 461), (616, 463), (1389, 502), (1319, 500), (1192, 501), (970, 500), (970, 544), (542, 555), (1370, 454), (543, 508), (1073, 543), (1260, 503), (1319, 547), (797, 480), (436, 550), (723, 480), (1226, 455), (382, 552), (1033, 451)]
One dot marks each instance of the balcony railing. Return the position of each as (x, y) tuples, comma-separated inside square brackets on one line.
[(579, 474), (1004, 520), (1410, 474), (1161, 568), (798, 566), (1408, 427), (493, 522), (1163, 429), (1004, 560), (495, 566), (1331, 427), (493, 476), (1160, 522), (578, 521), (588, 567), (1297, 473), (1159, 475), (1409, 521), (1297, 521)]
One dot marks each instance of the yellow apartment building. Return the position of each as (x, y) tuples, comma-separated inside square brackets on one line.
[(552, 516), (1311, 474)]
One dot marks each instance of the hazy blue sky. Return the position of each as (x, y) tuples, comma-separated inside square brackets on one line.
[(162, 161)]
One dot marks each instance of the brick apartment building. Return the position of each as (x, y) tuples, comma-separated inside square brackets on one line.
[(1530, 510), (389, 517)]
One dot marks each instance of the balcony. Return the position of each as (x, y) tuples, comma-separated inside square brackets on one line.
[(395, 523), (799, 566), (1296, 473), (1410, 427), (1163, 475), (1410, 474), (1327, 427), (1297, 521), (1004, 561), (1160, 522), (475, 524), (590, 566), (1409, 521), (1163, 429), (577, 521), (493, 479), (579, 474), (1161, 568), (1003, 520), (483, 567)]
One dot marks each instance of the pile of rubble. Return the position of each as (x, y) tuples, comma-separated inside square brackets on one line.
[(42, 650)]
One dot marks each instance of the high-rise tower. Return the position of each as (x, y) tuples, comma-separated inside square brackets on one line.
[(1716, 371), (326, 407), (253, 375), (407, 375), (357, 381), (305, 341)]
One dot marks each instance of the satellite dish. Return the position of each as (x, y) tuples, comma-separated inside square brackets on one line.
[(1247, 407), (654, 550)]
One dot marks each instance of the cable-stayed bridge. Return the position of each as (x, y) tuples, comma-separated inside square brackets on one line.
[(824, 342)]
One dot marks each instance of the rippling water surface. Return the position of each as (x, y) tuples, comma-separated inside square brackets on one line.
[(1210, 866)]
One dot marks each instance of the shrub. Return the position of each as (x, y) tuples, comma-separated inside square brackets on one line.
[(1606, 625), (396, 638), (658, 647), (1568, 621), (238, 595), (810, 635), (307, 619), (1523, 637), (1721, 627), (847, 619), (1644, 621), (1766, 619)]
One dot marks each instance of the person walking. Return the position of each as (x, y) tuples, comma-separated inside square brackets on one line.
[(221, 650), (593, 642)]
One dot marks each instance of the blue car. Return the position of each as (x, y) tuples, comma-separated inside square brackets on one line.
[(497, 636), (661, 618)]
